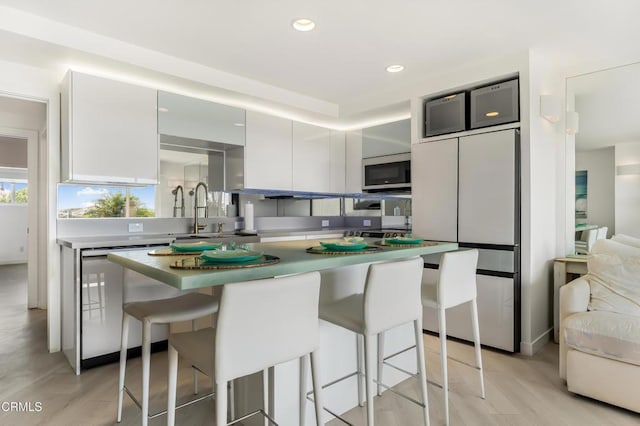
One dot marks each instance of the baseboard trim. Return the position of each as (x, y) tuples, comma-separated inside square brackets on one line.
[(531, 348)]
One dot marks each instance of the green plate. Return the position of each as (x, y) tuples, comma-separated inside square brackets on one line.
[(404, 240), (346, 246), (194, 247), (230, 256)]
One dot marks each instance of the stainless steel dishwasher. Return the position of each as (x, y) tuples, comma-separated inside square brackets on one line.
[(97, 291)]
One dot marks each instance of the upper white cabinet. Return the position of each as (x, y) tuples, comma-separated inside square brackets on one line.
[(353, 162), (338, 162), (283, 155), (109, 131), (193, 118), (268, 152), (387, 139), (434, 182), (311, 158)]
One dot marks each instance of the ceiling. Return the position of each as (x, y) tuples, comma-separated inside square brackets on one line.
[(342, 62), (608, 104)]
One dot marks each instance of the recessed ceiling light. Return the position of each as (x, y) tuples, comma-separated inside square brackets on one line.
[(492, 114), (395, 68), (303, 24), (163, 109), (238, 124)]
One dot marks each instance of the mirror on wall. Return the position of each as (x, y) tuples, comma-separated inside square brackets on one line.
[(607, 149)]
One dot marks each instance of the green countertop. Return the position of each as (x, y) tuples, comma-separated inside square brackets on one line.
[(293, 259)]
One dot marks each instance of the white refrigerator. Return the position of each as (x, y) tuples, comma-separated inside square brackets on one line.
[(467, 190)]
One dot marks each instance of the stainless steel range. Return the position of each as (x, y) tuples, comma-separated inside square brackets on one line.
[(380, 233)]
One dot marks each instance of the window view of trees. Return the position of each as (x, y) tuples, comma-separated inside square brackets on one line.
[(101, 201), (114, 205), (13, 193)]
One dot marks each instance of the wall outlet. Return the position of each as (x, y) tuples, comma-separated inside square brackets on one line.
[(366, 222), (325, 223), (135, 227)]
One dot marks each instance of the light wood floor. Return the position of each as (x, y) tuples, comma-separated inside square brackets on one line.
[(520, 390)]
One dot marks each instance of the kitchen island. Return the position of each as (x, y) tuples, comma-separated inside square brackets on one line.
[(293, 259), (342, 275)]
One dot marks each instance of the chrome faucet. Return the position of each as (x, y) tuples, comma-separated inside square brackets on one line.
[(196, 206), (175, 201)]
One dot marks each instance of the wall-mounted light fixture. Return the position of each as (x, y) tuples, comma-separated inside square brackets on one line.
[(550, 108), (628, 169), (573, 123)]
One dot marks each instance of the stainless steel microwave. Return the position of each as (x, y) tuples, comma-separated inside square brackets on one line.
[(387, 173)]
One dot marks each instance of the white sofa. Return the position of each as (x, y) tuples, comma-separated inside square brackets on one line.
[(600, 327)]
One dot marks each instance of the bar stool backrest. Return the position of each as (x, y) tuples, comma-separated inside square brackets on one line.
[(266, 322), (392, 294), (457, 278), (602, 233)]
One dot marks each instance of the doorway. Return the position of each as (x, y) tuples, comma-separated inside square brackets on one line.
[(22, 136)]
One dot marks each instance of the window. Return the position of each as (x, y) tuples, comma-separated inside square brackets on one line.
[(81, 201), (14, 192)]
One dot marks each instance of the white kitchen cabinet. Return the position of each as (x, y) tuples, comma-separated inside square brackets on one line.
[(311, 158), (353, 162), (268, 153), (387, 139), (434, 181), (109, 131), (338, 162)]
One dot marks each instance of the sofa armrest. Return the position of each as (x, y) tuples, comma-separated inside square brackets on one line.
[(574, 298)]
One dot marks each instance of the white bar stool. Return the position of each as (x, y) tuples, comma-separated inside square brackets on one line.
[(391, 298), (456, 285), (261, 323), (187, 307)]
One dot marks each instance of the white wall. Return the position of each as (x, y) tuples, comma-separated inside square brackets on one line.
[(599, 164), (627, 190), (541, 154), (14, 234)]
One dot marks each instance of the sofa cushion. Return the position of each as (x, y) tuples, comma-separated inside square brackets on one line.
[(605, 334), (627, 239), (615, 283), (614, 247)]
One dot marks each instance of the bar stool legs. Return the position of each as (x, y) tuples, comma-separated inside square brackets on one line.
[(422, 368), (442, 328), (123, 362), (476, 343), (360, 366)]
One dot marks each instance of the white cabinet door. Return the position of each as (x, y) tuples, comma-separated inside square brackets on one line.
[(109, 131), (487, 191), (311, 158), (434, 188), (353, 163), (338, 162), (386, 139), (268, 152)]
